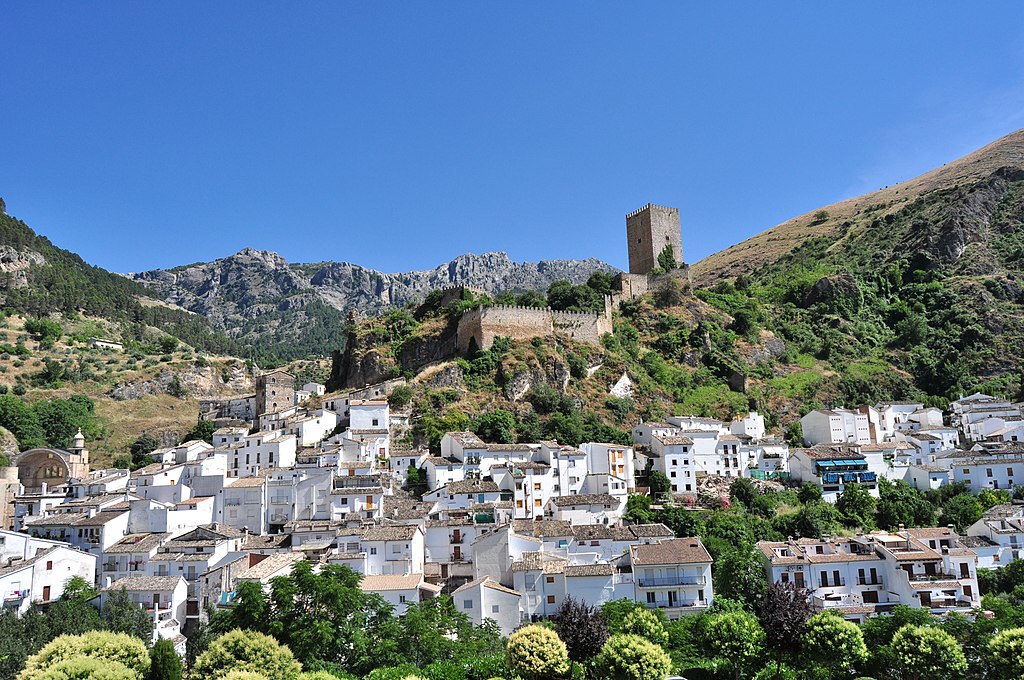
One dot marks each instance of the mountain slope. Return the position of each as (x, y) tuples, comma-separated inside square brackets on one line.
[(38, 278), (912, 291), (260, 299), (768, 246)]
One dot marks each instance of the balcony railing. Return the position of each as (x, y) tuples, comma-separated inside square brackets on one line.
[(677, 604), (681, 580), (937, 576), (456, 538), (868, 581), (110, 567), (459, 558)]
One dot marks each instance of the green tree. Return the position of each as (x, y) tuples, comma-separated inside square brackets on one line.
[(646, 624), (400, 397), (246, 650), (104, 646), (899, 504), (1006, 654), (660, 484), (735, 639), (497, 426), (858, 506), (930, 653), (667, 259), (744, 492), (325, 617), (23, 422), (632, 657), (961, 511), (203, 431), (121, 615), (535, 653), (833, 642), (739, 575), (168, 344), (164, 662), (638, 509), (141, 448), (809, 493), (47, 332)]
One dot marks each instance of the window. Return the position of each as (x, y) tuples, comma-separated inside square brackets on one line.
[(519, 504), (1009, 472), (467, 604), (401, 598), (375, 422), (988, 472), (672, 473), (650, 598), (536, 503), (373, 551), (550, 579), (536, 486), (551, 599), (495, 609), (785, 577)]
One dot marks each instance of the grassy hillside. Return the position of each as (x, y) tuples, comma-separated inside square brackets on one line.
[(152, 386)]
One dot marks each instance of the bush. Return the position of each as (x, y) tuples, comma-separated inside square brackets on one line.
[(631, 657), (119, 648), (244, 650), (84, 668), (536, 652)]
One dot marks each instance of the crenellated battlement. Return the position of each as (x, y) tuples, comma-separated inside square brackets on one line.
[(649, 206)]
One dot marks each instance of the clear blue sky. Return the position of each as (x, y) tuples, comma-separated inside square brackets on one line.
[(399, 135)]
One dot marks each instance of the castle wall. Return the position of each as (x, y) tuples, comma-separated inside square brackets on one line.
[(484, 324)]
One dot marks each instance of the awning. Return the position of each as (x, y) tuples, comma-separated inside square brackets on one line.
[(826, 463)]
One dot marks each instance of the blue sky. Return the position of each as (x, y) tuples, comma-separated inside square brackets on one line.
[(398, 136)]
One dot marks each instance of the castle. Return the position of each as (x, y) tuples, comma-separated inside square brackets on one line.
[(650, 232)]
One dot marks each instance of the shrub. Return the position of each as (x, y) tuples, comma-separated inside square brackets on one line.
[(244, 650), (125, 650), (536, 652), (631, 657)]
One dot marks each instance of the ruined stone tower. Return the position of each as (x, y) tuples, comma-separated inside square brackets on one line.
[(648, 231)]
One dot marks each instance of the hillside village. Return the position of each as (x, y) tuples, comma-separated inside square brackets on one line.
[(508, 531)]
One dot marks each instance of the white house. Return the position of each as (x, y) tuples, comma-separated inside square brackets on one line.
[(399, 590), (673, 575), (836, 426), (41, 576), (484, 599)]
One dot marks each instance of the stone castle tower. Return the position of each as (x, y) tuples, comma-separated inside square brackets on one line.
[(648, 231), (275, 391)]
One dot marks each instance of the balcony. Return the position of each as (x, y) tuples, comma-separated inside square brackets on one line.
[(456, 538), (459, 558), (868, 581), (110, 567), (681, 580), (232, 501)]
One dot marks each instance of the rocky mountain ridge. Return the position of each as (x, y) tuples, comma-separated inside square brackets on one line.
[(233, 292)]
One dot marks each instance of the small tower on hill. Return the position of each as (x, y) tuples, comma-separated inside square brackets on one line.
[(649, 231)]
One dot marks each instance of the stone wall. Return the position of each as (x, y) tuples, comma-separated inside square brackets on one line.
[(484, 324)]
